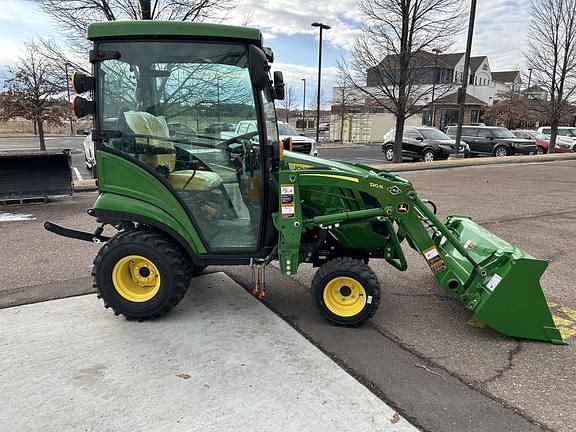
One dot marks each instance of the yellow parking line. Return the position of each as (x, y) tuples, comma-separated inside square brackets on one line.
[(565, 319)]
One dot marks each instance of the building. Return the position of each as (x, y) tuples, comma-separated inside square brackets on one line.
[(438, 78)]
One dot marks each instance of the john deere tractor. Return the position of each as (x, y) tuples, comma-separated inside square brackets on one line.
[(179, 199)]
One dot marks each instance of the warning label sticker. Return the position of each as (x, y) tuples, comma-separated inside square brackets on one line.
[(493, 282), (287, 210), (434, 259), (469, 245), (287, 189)]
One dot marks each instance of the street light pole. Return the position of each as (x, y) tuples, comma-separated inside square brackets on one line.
[(462, 90), (322, 27), (68, 91), (304, 105), (529, 79), (437, 51)]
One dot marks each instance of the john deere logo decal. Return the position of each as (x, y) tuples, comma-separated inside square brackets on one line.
[(402, 208)]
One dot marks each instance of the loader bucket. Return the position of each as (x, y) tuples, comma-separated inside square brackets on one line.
[(506, 295)]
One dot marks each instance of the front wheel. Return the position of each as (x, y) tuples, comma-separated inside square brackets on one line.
[(389, 153), (346, 291), (501, 151), (140, 274), (540, 150), (429, 156)]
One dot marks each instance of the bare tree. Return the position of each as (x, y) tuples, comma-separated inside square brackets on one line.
[(289, 103), (345, 96), (34, 92), (552, 55), (394, 49), (73, 16)]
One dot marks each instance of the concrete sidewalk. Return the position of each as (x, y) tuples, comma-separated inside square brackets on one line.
[(221, 361)]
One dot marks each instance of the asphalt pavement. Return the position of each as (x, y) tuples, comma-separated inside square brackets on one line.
[(422, 352)]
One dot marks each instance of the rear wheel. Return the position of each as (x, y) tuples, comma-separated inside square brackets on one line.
[(346, 291), (429, 156), (501, 151), (389, 153), (140, 274)]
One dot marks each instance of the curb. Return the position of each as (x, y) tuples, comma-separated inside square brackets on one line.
[(445, 164), (84, 185)]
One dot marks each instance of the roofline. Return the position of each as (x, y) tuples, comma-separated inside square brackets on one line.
[(119, 29)]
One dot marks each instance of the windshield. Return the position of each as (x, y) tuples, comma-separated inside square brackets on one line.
[(541, 136), (502, 133), (434, 134), (286, 129), (204, 88)]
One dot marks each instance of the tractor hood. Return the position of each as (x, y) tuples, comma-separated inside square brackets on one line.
[(299, 161)]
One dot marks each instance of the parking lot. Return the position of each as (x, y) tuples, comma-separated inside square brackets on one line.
[(422, 352)]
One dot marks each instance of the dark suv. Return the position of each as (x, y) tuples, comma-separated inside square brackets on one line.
[(422, 143), (491, 140)]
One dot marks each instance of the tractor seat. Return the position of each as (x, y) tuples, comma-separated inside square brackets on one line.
[(144, 123), (199, 181)]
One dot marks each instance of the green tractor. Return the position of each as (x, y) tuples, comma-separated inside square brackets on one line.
[(205, 196)]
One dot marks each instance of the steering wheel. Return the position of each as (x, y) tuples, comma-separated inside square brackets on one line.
[(243, 141)]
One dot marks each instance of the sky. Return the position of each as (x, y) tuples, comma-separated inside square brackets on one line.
[(500, 33)]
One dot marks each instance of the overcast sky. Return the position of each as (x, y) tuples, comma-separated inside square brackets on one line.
[(500, 33)]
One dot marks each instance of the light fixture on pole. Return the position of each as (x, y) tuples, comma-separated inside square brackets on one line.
[(304, 105), (68, 91), (322, 26), (432, 108)]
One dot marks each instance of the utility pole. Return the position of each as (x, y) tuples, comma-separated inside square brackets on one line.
[(462, 90), (304, 106), (68, 91), (437, 51), (322, 27)]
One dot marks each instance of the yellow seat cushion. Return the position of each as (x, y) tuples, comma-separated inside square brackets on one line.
[(144, 123), (202, 180)]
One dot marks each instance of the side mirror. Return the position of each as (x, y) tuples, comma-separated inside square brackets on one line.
[(278, 86), (259, 67), (419, 138)]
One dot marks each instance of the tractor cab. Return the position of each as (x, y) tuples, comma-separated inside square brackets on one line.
[(205, 79)]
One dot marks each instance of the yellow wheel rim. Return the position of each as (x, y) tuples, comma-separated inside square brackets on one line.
[(136, 278), (344, 296)]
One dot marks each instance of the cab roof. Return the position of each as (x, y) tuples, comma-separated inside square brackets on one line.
[(150, 28)]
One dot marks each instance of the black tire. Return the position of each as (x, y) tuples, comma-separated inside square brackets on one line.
[(501, 151), (388, 152), (428, 155), (332, 277), (541, 150), (161, 258)]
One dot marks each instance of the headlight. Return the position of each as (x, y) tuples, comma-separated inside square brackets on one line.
[(445, 147)]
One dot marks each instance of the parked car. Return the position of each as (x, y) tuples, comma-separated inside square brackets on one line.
[(495, 141), (180, 129), (300, 143), (216, 128), (567, 137), (540, 139), (422, 143)]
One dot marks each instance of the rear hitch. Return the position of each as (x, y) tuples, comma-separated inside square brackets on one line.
[(95, 237)]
